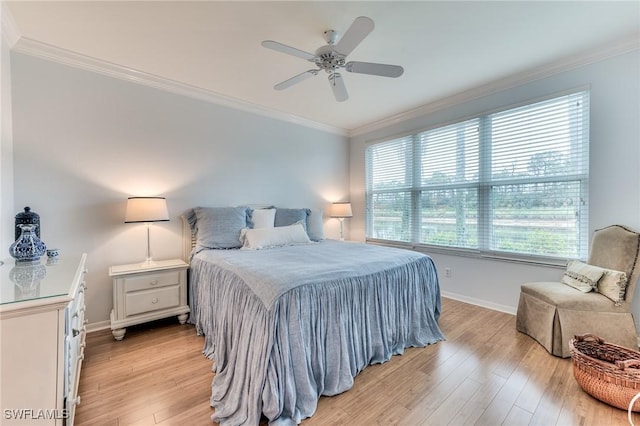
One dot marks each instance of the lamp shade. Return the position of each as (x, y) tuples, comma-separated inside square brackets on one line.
[(146, 209), (341, 210)]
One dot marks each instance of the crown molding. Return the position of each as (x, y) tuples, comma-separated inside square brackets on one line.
[(566, 64), (10, 31), (52, 53), (67, 57)]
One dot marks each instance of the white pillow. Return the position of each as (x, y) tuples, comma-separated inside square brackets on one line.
[(272, 237), (582, 276), (613, 285), (263, 218)]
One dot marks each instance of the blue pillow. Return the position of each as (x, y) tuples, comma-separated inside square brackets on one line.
[(219, 227), (286, 217)]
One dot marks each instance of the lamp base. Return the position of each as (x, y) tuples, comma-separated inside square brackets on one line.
[(148, 259)]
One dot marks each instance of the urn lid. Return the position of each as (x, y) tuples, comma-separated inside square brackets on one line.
[(27, 215)]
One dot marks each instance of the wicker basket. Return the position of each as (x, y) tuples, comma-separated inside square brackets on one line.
[(606, 371)]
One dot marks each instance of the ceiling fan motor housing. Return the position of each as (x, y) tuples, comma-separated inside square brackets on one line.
[(328, 59)]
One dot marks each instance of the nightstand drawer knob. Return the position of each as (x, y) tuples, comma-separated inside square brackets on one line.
[(153, 282), (154, 300)]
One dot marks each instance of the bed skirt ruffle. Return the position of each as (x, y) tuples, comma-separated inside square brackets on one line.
[(312, 341)]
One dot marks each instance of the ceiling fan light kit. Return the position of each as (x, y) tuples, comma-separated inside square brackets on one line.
[(332, 57)]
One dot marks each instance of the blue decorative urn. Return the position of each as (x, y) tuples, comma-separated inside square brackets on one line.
[(28, 247)]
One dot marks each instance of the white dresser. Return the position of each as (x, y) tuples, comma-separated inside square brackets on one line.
[(42, 330)]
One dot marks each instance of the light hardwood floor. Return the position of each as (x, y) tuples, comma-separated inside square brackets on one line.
[(485, 373)]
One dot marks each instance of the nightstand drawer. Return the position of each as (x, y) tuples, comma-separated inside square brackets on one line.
[(152, 300), (148, 281)]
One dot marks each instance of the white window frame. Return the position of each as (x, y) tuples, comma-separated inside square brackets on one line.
[(483, 187)]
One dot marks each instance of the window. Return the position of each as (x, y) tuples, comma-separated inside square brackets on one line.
[(514, 181)]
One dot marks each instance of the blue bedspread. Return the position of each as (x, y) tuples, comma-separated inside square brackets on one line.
[(288, 324)]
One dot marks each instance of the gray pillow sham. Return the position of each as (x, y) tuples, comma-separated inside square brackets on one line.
[(219, 227), (286, 217)]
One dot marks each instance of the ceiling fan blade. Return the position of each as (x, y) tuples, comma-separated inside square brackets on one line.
[(383, 70), (283, 48), (295, 79), (338, 87), (360, 28)]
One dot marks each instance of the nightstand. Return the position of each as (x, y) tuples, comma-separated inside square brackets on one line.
[(148, 291)]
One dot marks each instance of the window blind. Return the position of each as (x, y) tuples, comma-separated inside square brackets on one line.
[(514, 181), (390, 177)]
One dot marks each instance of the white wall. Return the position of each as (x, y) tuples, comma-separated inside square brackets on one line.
[(84, 142), (6, 152), (614, 171)]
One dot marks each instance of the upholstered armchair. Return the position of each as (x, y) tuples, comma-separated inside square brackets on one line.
[(553, 312)]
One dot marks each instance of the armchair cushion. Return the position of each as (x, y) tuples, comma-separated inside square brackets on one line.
[(565, 297)]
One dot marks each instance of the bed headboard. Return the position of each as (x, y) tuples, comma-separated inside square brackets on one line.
[(188, 239)]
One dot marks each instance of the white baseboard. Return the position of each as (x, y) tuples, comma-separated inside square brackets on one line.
[(480, 302), (97, 326)]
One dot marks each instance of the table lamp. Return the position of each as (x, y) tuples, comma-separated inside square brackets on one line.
[(341, 211), (146, 210)]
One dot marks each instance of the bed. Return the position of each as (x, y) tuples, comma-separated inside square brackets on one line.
[(288, 323)]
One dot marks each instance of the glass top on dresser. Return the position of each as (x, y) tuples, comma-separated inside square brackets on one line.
[(47, 278)]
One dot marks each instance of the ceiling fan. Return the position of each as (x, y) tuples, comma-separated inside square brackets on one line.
[(332, 57)]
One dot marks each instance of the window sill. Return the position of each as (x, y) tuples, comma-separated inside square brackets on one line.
[(476, 254)]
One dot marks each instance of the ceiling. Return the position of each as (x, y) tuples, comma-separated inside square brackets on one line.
[(445, 47)]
